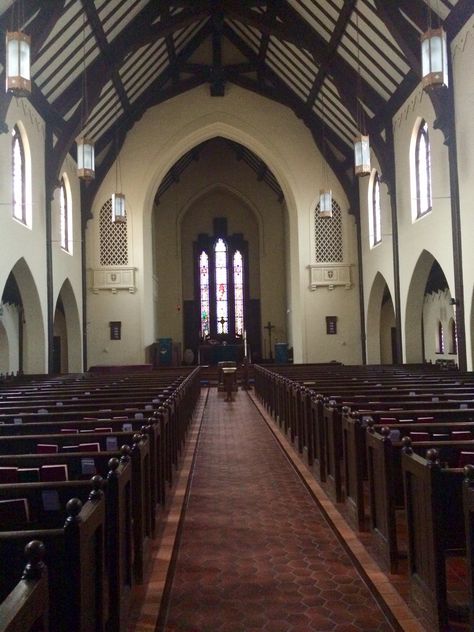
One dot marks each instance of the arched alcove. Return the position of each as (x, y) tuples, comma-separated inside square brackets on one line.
[(67, 332), (21, 294), (428, 305), (222, 182), (380, 323)]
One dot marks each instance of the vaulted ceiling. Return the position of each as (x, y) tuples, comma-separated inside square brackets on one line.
[(98, 65)]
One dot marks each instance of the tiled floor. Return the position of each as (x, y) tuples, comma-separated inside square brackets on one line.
[(255, 550)]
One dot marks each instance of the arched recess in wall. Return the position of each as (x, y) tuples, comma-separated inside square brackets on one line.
[(217, 189), (67, 332), (428, 303), (21, 295), (229, 126), (380, 323)]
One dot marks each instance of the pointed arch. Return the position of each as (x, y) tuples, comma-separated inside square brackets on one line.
[(31, 346), (380, 321), (67, 326)]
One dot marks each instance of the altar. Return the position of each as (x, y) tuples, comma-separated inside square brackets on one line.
[(214, 353)]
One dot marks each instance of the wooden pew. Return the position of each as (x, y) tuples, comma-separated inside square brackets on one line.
[(76, 565), (468, 506), (26, 608), (435, 521), (140, 487)]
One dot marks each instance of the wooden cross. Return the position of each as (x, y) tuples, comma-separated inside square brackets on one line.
[(269, 327), (222, 321)]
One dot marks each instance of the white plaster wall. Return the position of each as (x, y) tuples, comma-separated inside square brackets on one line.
[(271, 131), (463, 60), (68, 266), (433, 231), (18, 240)]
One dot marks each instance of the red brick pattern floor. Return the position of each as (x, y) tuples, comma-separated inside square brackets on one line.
[(255, 552)]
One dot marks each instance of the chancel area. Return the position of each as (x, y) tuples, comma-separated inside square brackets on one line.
[(231, 231)]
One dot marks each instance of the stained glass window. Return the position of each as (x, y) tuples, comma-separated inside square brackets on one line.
[(18, 173), (64, 219), (239, 293), (222, 309), (204, 285)]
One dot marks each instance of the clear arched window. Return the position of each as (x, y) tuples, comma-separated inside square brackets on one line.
[(440, 338), (375, 218), (423, 170), (65, 217), (18, 177)]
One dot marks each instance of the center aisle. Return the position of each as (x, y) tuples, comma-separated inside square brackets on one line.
[(255, 552)]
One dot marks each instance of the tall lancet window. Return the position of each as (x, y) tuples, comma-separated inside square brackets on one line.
[(239, 293), (222, 302), (18, 173), (221, 291), (423, 170), (204, 287)]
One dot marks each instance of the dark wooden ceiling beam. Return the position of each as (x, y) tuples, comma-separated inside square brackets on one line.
[(337, 34), (406, 36), (101, 39), (270, 17), (170, 47), (217, 86), (457, 18), (138, 32)]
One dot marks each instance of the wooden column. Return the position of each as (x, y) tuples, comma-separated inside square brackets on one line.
[(363, 336), (84, 217)]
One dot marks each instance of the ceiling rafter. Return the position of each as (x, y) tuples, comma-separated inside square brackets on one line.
[(138, 32), (281, 93), (217, 76), (101, 39), (337, 34), (170, 47)]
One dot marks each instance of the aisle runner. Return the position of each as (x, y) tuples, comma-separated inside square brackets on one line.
[(256, 553)]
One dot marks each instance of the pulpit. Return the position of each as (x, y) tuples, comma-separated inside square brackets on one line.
[(227, 378)]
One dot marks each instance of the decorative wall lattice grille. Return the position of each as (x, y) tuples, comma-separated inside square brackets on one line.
[(328, 235), (113, 239)]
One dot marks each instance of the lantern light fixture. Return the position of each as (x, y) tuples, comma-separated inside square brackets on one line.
[(18, 71), (434, 58), (361, 141), (362, 155), (325, 195), (85, 145), (85, 158)]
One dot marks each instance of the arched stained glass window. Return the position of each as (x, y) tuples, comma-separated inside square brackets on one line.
[(221, 290), (222, 309), (440, 338), (18, 176), (204, 288), (239, 293), (423, 170)]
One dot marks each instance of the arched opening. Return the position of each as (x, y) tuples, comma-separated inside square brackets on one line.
[(67, 348), (26, 334), (220, 193), (381, 338), (428, 313)]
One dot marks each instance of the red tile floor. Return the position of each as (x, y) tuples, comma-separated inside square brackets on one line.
[(259, 547)]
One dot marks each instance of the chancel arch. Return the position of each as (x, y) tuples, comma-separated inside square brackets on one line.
[(219, 194)]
